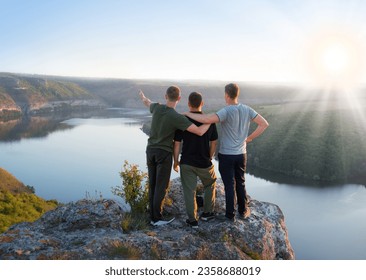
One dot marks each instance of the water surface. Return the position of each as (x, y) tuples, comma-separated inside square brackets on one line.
[(82, 157)]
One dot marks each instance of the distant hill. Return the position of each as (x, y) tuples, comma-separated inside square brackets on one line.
[(32, 94), (35, 94), (123, 93)]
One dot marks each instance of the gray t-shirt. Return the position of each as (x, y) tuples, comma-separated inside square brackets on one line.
[(235, 122)]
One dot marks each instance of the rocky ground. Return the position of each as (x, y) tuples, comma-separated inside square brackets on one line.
[(102, 230)]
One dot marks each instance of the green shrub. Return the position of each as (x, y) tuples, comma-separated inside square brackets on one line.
[(134, 189)]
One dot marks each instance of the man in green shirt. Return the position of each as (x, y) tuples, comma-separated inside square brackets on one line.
[(159, 152)]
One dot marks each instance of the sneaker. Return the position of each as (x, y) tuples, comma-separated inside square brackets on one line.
[(206, 216), (161, 222), (246, 214), (223, 217), (193, 224)]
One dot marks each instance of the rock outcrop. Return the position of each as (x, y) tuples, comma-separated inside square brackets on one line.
[(96, 229)]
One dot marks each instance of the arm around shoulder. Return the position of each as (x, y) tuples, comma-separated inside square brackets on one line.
[(198, 130), (203, 118)]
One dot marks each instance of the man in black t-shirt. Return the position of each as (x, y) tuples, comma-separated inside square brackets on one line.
[(195, 161)]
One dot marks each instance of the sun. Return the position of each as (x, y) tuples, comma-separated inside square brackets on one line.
[(336, 59)]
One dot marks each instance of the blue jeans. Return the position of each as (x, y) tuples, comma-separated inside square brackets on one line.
[(232, 169), (159, 165)]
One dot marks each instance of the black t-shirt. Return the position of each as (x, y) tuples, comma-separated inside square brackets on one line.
[(196, 149)]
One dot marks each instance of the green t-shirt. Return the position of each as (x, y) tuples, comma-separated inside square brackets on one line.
[(165, 121)]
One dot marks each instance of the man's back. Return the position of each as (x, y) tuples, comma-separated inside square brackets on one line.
[(196, 149), (235, 122), (165, 122)]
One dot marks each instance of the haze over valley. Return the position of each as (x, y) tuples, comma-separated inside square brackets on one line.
[(308, 139)]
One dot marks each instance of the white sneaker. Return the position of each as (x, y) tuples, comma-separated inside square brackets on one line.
[(162, 222)]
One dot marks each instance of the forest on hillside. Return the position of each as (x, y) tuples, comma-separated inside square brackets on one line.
[(311, 143)]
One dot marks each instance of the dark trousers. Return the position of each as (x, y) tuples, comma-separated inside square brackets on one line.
[(232, 169), (159, 165)]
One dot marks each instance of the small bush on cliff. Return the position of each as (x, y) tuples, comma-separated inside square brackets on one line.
[(134, 189)]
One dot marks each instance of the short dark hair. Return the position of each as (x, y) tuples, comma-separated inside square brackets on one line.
[(232, 90), (195, 99), (173, 93)]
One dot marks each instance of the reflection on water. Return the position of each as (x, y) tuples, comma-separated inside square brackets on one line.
[(29, 127), (41, 126), (281, 178), (72, 158)]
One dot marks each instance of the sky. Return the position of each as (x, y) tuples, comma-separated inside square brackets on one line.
[(288, 41)]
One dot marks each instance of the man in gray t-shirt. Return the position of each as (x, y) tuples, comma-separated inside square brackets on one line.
[(235, 122), (235, 119)]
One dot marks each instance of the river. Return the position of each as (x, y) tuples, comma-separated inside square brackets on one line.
[(71, 159)]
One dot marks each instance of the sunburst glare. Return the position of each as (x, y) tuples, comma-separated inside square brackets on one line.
[(335, 58)]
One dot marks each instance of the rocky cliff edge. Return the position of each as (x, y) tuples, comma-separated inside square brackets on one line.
[(94, 229)]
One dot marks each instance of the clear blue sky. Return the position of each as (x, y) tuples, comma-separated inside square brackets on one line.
[(242, 40)]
